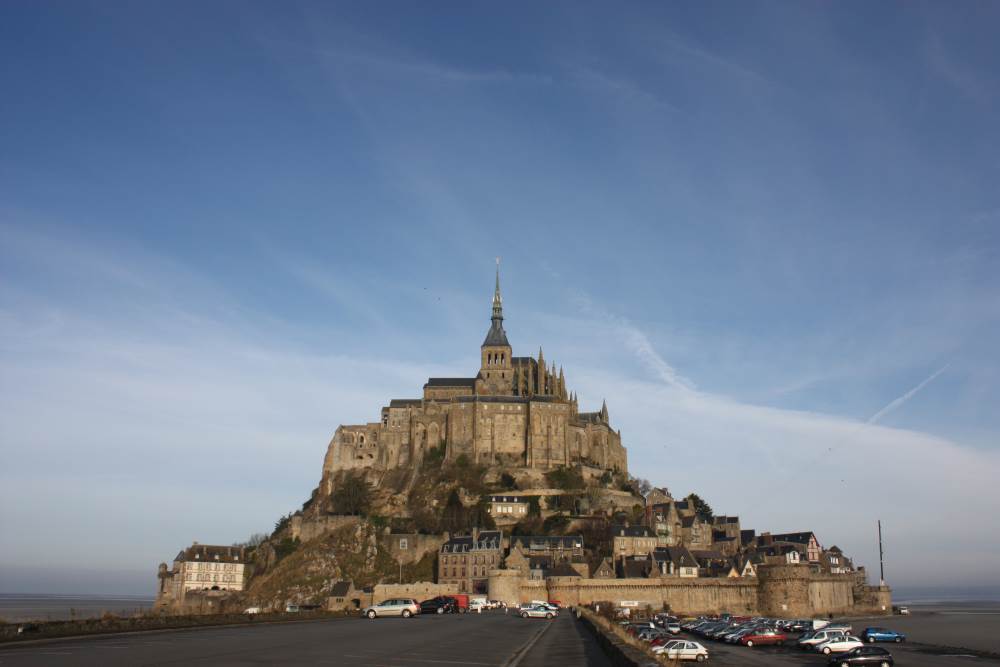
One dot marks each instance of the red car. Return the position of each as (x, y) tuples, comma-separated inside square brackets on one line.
[(764, 637)]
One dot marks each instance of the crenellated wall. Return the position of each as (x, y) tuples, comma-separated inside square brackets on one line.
[(785, 590)]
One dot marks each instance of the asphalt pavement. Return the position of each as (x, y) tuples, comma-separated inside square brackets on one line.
[(491, 639), (487, 640)]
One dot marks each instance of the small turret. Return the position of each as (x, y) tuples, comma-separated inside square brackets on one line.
[(604, 412)]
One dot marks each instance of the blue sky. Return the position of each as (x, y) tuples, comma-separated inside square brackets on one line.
[(226, 228)]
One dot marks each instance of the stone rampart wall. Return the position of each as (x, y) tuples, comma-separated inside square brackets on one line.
[(307, 528), (422, 590), (784, 591), (687, 596)]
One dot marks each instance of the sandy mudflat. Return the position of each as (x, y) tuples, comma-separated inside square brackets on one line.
[(966, 625)]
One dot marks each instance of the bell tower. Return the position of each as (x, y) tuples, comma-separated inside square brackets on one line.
[(496, 370)]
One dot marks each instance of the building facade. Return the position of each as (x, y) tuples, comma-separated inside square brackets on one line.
[(201, 567), (465, 560)]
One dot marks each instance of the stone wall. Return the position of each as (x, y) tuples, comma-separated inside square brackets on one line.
[(779, 590), (308, 528), (417, 545), (688, 596), (422, 590)]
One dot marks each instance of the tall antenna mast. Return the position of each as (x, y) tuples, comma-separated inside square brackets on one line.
[(881, 562)]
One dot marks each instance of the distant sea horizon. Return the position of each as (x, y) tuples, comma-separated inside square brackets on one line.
[(937, 595), (19, 607)]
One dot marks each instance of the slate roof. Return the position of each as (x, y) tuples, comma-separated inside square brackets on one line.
[(539, 562), (592, 417), (563, 569), (531, 361), (340, 589), (708, 554), (508, 499), (687, 521), (635, 568), (800, 538), (489, 540), (450, 382), (496, 336), (747, 536), (681, 504), (631, 531), (208, 552), (404, 402), (679, 556), (780, 549), (605, 564)]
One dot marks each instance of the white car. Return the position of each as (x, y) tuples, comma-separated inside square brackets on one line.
[(815, 639), (839, 645), (666, 645), (539, 611), (680, 649)]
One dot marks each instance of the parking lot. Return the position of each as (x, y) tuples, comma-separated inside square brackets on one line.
[(491, 639), (906, 654)]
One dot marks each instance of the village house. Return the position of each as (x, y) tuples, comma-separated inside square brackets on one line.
[(604, 570), (781, 554), (674, 562), (632, 541), (636, 567), (465, 561), (200, 567), (559, 547), (806, 541), (833, 561), (664, 520), (508, 509), (343, 597)]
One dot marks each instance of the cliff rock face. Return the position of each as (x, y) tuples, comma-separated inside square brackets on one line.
[(306, 571)]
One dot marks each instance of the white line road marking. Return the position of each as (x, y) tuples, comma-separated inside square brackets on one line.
[(518, 656)]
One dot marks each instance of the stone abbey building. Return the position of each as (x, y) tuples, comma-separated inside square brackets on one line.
[(515, 412)]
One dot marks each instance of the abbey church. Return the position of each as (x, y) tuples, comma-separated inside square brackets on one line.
[(516, 412)]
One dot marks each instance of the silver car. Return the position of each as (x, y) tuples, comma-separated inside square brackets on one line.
[(539, 611), (405, 607)]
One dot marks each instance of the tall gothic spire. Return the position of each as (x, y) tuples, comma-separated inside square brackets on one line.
[(496, 336), (497, 300)]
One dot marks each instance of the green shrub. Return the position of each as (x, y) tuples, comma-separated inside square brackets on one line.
[(567, 479), (352, 495), (286, 547)]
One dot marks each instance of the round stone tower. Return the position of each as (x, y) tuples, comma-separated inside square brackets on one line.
[(783, 590), (505, 585)]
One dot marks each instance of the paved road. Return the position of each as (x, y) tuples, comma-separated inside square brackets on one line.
[(487, 640)]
